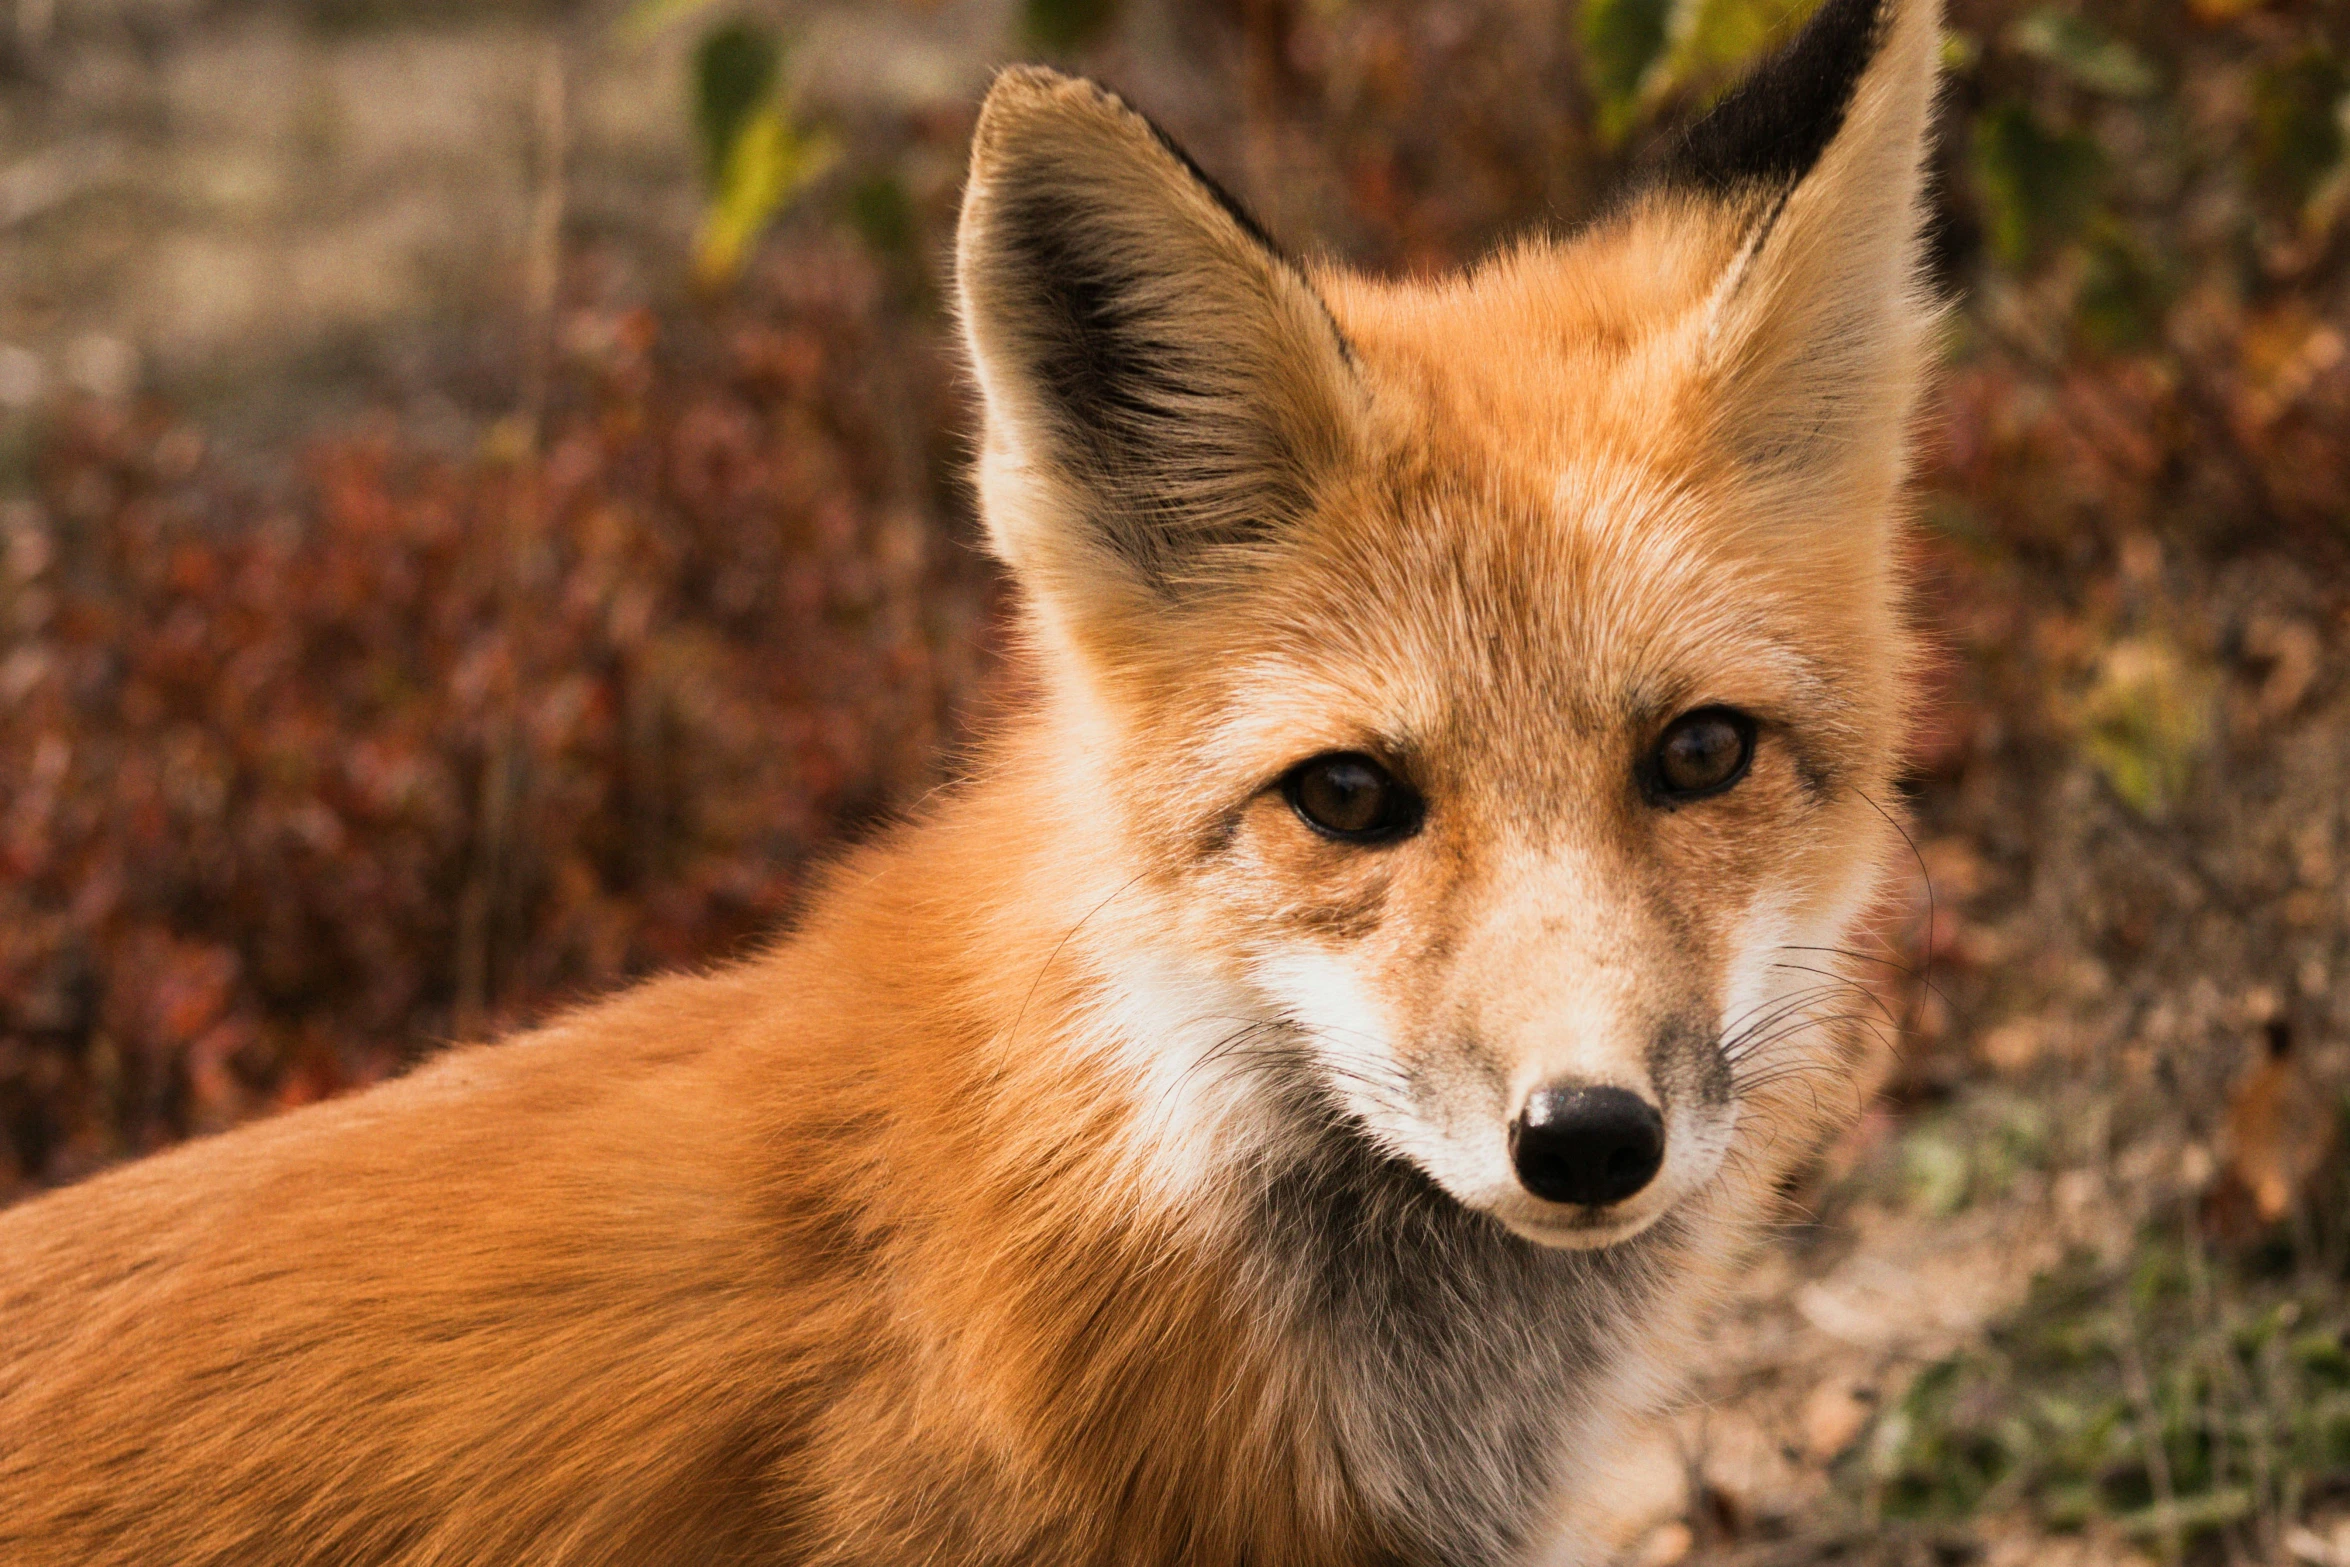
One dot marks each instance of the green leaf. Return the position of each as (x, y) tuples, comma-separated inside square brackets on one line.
[(735, 69), (1639, 53), (2039, 186), (2145, 723), (1621, 40), (771, 162), (1712, 39), (1064, 26), (2124, 289), (2325, 1357), (883, 215), (2081, 51), (2296, 126), (1938, 1171), (647, 17), (2189, 1515)]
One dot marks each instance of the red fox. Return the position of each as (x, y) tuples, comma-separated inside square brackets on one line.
[(1291, 1105)]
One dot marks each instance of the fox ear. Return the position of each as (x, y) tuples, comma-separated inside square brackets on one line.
[(1818, 334), (1160, 382)]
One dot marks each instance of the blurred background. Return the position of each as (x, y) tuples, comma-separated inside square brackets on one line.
[(481, 506)]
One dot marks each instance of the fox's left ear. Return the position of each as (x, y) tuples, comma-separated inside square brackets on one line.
[(1163, 388), (1817, 336)]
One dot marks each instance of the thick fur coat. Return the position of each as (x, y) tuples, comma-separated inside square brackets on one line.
[(1116, 1164)]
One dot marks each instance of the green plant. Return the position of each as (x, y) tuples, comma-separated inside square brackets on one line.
[(757, 156), (2163, 1397)]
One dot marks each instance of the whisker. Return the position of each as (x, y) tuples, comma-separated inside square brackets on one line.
[(1013, 1036), (1739, 1023), (1751, 1079), (1921, 973), (1816, 1020), (1855, 984), (1758, 1016), (1924, 874), (1883, 960), (1742, 1042)]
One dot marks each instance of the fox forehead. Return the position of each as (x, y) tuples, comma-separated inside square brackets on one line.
[(1440, 603), (1533, 518), (1550, 351)]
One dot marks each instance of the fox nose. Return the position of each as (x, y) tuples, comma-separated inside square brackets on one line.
[(1586, 1145)]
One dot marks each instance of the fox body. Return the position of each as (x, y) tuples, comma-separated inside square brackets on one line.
[(1292, 1104)]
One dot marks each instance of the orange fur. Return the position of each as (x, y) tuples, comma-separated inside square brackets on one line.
[(1104, 1170)]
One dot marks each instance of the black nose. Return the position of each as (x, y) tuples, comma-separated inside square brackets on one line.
[(1587, 1145)]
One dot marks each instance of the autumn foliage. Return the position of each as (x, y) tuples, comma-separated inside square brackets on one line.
[(301, 785)]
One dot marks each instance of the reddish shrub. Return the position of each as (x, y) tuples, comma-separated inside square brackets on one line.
[(297, 791)]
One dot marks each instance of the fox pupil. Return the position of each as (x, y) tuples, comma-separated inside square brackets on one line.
[(1348, 795), (1703, 753)]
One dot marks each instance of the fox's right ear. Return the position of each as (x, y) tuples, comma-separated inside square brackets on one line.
[(1161, 384), (1819, 326)]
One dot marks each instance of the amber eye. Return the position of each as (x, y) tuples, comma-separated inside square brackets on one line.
[(1348, 795), (1701, 753)]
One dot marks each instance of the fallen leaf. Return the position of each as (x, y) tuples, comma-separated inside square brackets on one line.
[(2279, 1136), (1834, 1416)]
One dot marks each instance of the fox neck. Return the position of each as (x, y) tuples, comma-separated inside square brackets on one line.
[(1415, 1371)]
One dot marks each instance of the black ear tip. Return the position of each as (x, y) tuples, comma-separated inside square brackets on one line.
[(1773, 126)]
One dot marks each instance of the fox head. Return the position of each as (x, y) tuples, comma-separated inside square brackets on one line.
[(1492, 683)]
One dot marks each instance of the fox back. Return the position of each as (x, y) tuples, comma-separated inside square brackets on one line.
[(1292, 1103)]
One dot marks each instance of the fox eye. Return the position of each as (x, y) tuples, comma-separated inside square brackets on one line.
[(1348, 795), (1701, 753)]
